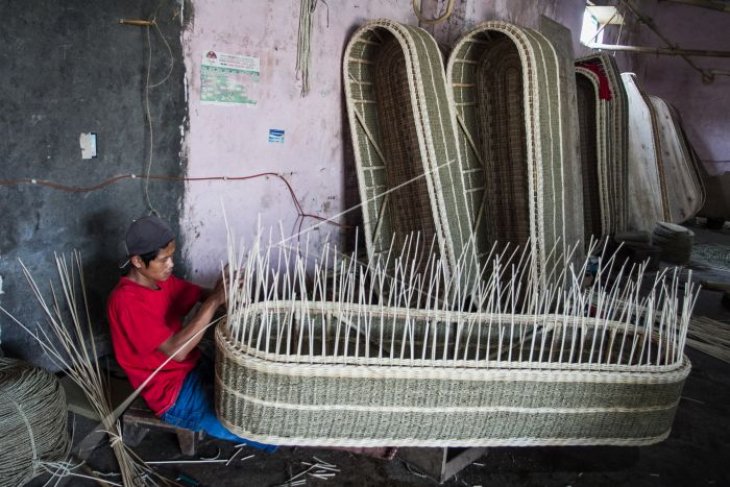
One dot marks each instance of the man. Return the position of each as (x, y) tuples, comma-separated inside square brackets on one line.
[(146, 311)]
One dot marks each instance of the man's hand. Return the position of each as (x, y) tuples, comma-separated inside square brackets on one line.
[(218, 295)]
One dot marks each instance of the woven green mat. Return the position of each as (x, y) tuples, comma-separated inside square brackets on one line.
[(712, 255)]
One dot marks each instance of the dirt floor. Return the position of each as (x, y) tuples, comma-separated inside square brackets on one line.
[(697, 452)]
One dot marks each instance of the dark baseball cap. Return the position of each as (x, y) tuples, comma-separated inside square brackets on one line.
[(147, 234)]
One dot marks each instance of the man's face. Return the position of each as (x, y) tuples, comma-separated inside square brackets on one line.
[(160, 268)]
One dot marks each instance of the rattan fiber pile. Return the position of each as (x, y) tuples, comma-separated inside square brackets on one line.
[(33, 416)]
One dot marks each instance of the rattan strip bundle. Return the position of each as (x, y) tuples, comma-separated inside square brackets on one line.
[(615, 133), (33, 416), (402, 127), (354, 356), (505, 85)]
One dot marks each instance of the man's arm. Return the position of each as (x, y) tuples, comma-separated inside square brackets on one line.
[(179, 345)]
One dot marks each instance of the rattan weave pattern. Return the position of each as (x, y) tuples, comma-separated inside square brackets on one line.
[(592, 120), (402, 127), (647, 189), (363, 399), (612, 115), (505, 85)]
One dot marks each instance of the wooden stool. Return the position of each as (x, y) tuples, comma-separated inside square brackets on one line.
[(137, 420)]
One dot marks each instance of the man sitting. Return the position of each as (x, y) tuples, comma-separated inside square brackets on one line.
[(146, 311)]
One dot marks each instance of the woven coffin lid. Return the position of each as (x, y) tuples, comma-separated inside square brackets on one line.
[(504, 83), (680, 174), (402, 128), (591, 116), (615, 132)]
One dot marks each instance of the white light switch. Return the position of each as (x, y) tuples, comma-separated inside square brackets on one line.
[(87, 141)]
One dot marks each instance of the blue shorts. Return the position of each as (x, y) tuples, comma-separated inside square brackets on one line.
[(193, 408)]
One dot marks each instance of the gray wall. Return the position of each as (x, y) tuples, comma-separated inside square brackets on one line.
[(70, 67)]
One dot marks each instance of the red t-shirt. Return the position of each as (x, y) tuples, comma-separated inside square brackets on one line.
[(142, 319)]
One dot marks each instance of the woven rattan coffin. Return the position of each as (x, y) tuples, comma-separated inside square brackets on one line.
[(402, 128), (506, 87), (664, 183), (283, 386), (680, 173), (603, 114)]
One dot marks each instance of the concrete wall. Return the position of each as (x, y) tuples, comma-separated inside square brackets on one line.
[(704, 107), (315, 158), (70, 67)]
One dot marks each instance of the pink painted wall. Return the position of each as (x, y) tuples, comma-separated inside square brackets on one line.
[(704, 107), (232, 141)]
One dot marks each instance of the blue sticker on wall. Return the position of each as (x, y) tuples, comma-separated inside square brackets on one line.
[(276, 136)]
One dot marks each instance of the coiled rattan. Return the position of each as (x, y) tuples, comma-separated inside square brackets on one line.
[(33, 417)]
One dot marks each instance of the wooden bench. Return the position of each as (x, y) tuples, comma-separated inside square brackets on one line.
[(137, 420)]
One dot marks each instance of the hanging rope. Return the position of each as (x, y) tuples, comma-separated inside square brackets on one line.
[(447, 13), (304, 55)]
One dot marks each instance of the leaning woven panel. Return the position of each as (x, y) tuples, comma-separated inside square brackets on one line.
[(402, 126), (615, 132), (33, 416), (680, 173), (691, 155), (505, 85), (493, 391), (592, 122), (648, 197)]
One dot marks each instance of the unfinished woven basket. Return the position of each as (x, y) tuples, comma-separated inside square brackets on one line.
[(33, 415), (402, 128), (506, 86), (347, 354), (406, 382)]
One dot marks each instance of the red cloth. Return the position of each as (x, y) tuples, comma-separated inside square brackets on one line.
[(142, 319), (604, 87)]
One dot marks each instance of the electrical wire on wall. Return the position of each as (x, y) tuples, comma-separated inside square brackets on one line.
[(308, 7), (148, 24), (301, 213)]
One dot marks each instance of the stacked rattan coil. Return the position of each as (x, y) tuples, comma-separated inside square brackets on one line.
[(33, 416), (603, 116), (368, 360), (488, 393), (402, 127), (506, 87)]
